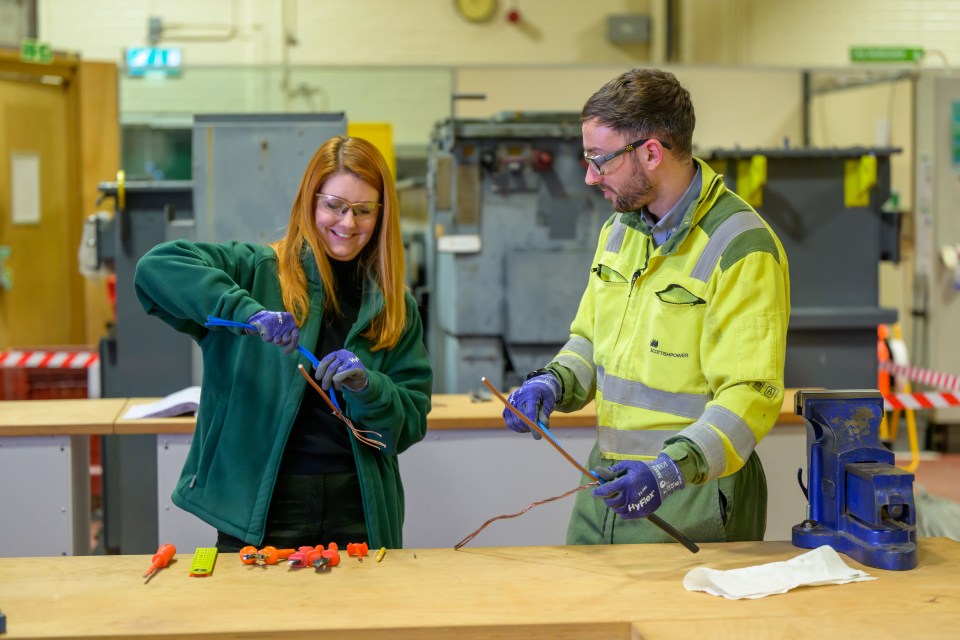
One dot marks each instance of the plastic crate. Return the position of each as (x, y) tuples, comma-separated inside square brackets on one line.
[(39, 383), (42, 384)]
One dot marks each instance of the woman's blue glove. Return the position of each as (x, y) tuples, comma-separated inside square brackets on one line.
[(277, 327), (341, 368), (637, 488), (535, 399)]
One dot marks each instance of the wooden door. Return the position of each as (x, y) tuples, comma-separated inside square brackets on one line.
[(41, 164)]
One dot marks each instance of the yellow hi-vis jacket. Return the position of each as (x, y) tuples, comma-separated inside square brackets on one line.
[(682, 345)]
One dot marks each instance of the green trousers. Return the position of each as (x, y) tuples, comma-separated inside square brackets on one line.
[(728, 509)]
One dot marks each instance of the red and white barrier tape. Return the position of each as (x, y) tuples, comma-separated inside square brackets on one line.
[(945, 381), (49, 359), (916, 401)]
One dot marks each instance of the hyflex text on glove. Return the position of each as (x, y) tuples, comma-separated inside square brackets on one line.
[(637, 488)]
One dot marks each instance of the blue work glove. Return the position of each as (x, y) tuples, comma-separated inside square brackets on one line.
[(637, 488), (341, 368), (277, 327), (535, 399)]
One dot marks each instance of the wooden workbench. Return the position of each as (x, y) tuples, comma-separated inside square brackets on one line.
[(608, 592), (60, 417), (45, 447), (449, 411)]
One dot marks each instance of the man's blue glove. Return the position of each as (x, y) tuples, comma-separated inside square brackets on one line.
[(535, 399), (637, 488), (277, 327), (341, 368)]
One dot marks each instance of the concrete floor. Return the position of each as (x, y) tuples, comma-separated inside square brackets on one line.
[(938, 473)]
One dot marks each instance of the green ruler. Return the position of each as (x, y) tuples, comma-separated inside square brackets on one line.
[(203, 560)]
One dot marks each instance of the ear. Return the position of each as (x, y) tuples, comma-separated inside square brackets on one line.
[(652, 154)]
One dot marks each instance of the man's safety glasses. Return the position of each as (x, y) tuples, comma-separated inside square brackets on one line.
[(597, 162)]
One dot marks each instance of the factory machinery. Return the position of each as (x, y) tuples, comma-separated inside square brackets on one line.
[(516, 227), (515, 230)]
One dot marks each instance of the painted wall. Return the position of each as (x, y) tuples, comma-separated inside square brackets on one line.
[(351, 32), (429, 32), (399, 62)]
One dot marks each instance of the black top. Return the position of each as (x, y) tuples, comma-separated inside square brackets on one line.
[(319, 441)]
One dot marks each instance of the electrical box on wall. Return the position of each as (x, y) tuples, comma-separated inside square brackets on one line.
[(628, 29)]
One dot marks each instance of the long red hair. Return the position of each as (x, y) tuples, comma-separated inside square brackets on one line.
[(383, 255)]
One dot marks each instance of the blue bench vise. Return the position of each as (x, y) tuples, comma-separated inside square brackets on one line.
[(859, 503)]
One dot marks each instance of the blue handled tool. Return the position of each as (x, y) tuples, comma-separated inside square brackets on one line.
[(219, 322)]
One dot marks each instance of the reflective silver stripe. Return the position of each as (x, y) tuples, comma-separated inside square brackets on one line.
[(710, 444), (641, 442), (615, 239), (741, 437), (582, 363), (731, 228), (637, 394), (738, 432)]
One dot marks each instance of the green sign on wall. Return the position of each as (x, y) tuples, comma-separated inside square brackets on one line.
[(35, 51), (886, 54)]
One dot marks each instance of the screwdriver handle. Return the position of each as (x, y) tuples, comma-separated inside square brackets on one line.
[(161, 558), (272, 555)]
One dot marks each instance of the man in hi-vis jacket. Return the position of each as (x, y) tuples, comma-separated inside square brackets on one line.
[(680, 335)]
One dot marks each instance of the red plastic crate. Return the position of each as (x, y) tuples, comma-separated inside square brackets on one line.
[(43, 384), (40, 383)]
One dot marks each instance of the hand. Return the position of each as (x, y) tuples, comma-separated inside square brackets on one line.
[(277, 327), (637, 488), (342, 368), (535, 399)]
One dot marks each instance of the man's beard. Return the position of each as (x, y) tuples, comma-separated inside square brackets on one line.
[(634, 194)]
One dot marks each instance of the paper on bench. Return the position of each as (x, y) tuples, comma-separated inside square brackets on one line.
[(185, 401)]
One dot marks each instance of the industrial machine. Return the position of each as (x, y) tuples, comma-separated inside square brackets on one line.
[(515, 231), (859, 502), (817, 201)]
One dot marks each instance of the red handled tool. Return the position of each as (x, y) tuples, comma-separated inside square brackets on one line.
[(318, 557), (267, 555), (358, 550), (161, 559)]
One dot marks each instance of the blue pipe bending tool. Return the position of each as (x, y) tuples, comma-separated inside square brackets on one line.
[(213, 321)]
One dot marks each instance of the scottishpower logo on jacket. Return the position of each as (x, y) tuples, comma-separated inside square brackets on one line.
[(670, 354)]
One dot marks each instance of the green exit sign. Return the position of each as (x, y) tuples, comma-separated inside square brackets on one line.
[(886, 54), (35, 51)]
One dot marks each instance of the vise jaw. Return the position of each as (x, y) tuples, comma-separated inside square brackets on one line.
[(859, 503)]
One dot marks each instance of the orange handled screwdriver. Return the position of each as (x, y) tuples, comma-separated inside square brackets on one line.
[(272, 555), (357, 550), (161, 559)]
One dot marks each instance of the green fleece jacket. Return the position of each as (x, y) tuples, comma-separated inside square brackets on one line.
[(251, 390)]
